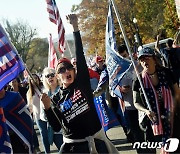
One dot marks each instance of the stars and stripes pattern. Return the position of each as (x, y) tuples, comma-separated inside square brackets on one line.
[(10, 64), (54, 17), (77, 95), (5, 144), (163, 111), (52, 57)]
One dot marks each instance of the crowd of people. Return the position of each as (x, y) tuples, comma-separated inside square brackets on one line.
[(62, 104)]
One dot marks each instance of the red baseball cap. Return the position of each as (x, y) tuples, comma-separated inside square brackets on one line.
[(64, 60)]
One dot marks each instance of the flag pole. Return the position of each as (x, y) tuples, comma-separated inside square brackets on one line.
[(129, 51), (69, 49), (49, 50)]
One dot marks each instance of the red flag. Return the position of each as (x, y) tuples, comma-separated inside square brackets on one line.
[(52, 57), (56, 19)]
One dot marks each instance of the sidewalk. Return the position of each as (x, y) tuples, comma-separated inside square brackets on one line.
[(116, 135)]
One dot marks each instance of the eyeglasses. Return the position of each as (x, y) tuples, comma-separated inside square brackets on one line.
[(50, 75), (63, 69)]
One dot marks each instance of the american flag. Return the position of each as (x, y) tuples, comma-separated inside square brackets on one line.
[(56, 19), (163, 125), (10, 63), (52, 57), (5, 144)]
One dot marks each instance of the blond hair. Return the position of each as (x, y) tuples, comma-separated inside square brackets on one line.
[(46, 71)]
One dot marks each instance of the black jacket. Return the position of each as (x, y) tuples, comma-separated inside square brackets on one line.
[(74, 106)]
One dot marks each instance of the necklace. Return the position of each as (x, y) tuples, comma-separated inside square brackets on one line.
[(152, 75)]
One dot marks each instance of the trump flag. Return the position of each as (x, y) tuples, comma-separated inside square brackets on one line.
[(18, 117), (106, 115), (5, 144), (10, 64), (117, 66)]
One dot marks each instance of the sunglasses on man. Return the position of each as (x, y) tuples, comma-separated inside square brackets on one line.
[(63, 69), (50, 75)]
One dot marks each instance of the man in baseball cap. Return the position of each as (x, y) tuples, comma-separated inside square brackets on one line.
[(100, 66)]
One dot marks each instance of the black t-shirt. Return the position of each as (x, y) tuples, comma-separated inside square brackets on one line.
[(75, 105)]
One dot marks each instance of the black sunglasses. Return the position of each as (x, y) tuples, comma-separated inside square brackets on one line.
[(50, 75), (63, 69)]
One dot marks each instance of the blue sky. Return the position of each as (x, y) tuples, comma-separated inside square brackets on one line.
[(35, 14)]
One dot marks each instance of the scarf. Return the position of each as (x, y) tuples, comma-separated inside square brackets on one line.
[(163, 112)]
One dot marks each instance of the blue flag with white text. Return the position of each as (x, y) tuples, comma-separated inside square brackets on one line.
[(5, 143), (117, 66), (10, 64), (18, 117), (106, 115)]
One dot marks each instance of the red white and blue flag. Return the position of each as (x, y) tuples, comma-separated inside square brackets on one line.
[(54, 17), (5, 144), (52, 57), (18, 117), (10, 63)]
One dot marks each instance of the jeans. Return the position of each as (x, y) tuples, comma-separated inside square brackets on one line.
[(42, 125), (35, 139), (58, 140)]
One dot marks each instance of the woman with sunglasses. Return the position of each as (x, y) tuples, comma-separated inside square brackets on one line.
[(160, 88), (51, 86), (74, 110)]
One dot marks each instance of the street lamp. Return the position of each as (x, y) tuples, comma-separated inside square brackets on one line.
[(137, 36), (134, 20)]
